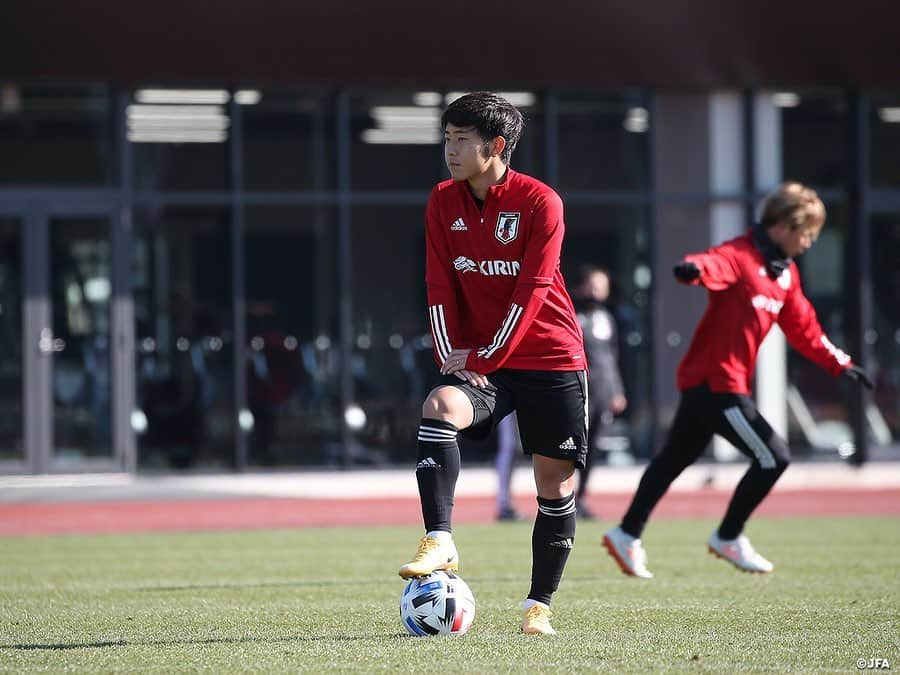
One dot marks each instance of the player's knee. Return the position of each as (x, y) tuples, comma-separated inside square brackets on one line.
[(450, 404), (436, 405), (554, 478)]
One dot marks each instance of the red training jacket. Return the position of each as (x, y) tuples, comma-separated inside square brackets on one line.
[(744, 303), (493, 278)]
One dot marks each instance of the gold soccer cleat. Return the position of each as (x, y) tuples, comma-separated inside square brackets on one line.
[(432, 555), (536, 621)]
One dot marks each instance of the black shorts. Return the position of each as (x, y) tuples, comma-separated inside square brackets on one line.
[(551, 407)]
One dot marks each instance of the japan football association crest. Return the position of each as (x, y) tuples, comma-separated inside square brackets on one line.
[(507, 226)]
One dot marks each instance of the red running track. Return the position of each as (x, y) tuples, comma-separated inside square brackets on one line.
[(266, 513)]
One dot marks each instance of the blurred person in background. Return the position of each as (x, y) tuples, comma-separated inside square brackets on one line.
[(273, 377), (508, 448), (505, 337), (606, 394), (752, 282)]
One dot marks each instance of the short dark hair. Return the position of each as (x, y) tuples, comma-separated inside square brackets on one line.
[(490, 115)]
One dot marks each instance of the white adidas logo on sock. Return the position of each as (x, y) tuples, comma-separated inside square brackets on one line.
[(428, 463), (568, 444)]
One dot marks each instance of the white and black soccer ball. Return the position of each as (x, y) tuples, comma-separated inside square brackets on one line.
[(438, 604)]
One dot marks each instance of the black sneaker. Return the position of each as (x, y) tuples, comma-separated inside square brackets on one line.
[(585, 513), (508, 514)]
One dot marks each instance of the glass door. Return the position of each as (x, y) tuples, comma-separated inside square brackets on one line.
[(77, 339), (884, 414), (12, 427), (56, 384), (181, 281), (292, 348)]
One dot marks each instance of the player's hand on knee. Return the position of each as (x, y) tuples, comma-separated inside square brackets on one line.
[(473, 378)]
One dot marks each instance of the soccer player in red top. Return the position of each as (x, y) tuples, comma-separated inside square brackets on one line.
[(506, 338), (752, 283)]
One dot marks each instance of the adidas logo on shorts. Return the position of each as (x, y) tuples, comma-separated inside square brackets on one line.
[(428, 463), (562, 543), (568, 444)]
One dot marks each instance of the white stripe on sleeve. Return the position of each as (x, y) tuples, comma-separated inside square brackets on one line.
[(506, 329), (439, 331)]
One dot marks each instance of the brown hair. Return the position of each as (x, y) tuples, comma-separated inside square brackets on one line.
[(795, 204)]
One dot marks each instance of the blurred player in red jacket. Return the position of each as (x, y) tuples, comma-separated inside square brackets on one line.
[(753, 283), (505, 337)]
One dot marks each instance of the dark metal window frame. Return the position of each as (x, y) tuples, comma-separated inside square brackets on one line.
[(122, 199)]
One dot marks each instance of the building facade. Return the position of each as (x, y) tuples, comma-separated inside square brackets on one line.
[(197, 273)]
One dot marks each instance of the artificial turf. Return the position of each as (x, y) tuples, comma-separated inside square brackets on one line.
[(320, 600)]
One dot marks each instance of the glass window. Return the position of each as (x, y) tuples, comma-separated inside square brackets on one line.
[(886, 334), (393, 368), (81, 271), (11, 382), (603, 141), (815, 131), (183, 305), (293, 341), (395, 142), (814, 390), (179, 138), (55, 135), (885, 120), (289, 141), (529, 156), (397, 139), (617, 238)]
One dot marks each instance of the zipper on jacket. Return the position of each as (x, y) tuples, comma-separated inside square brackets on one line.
[(483, 207)]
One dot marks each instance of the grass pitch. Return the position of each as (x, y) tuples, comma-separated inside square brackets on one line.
[(327, 600)]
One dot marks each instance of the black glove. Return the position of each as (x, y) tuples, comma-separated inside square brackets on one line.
[(686, 272), (857, 374)]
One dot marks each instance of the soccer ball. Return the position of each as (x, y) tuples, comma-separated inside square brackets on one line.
[(438, 604)]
